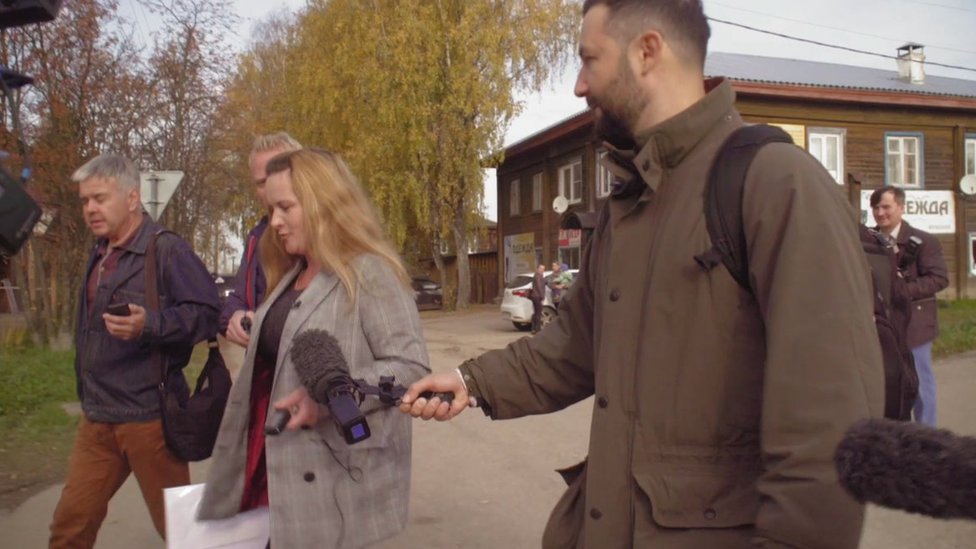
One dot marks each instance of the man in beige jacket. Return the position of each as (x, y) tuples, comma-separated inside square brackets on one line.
[(717, 410)]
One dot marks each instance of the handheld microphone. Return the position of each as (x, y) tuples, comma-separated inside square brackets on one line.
[(323, 371), (909, 466), (278, 422)]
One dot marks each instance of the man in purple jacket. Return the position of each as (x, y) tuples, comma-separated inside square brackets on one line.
[(249, 285), (120, 431)]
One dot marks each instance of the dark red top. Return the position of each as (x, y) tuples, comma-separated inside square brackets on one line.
[(255, 468)]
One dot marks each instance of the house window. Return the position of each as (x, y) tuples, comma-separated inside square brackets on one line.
[(513, 197), (827, 146), (604, 179), (903, 164), (537, 192), (970, 168), (571, 181)]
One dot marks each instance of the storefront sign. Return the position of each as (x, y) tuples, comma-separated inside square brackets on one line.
[(569, 238), (519, 254)]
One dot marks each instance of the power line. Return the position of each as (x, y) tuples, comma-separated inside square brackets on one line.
[(937, 5), (927, 44), (845, 48)]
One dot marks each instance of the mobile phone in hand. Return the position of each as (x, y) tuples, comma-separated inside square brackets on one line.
[(118, 309)]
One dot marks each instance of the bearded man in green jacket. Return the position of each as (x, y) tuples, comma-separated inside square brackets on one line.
[(717, 409)]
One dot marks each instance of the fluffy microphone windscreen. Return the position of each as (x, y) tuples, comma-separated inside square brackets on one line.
[(909, 466), (318, 359)]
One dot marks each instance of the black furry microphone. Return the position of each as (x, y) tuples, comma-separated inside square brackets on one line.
[(909, 466), (323, 371)]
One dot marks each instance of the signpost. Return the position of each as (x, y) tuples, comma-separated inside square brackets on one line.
[(157, 188)]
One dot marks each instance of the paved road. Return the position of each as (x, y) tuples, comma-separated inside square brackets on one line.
[(481, 484)]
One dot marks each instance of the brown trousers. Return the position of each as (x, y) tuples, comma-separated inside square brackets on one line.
[(103, 456)]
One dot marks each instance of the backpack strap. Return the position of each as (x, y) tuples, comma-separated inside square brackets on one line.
[(723, 199)]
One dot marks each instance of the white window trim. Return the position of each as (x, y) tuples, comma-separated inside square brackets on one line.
[(604, 177), (514, 204), (969, 146), (836, 133), (537, 192), (919, 159), (566, 186)]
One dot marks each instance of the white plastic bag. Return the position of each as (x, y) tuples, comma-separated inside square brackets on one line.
[(247, 530)]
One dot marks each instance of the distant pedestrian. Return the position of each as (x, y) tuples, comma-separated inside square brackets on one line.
[(922, 265), (120, 429), (538, 294)]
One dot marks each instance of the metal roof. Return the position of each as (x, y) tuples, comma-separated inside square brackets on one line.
[(777, 70)]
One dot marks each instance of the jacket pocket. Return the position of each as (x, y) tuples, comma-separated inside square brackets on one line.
[(927, 312), (700, 495), (565, 523)]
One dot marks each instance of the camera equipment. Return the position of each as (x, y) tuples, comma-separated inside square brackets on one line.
[(911, 252), (14, 13), (18, 214), (18, 211)]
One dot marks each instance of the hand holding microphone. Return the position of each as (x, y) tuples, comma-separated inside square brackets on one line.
[(298, 405), (440, 396), (323, 371)]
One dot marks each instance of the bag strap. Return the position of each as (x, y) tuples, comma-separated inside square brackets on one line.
[(152, 304), (152, 301), (723, 199)]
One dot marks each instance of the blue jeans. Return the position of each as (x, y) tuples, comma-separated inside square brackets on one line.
[(924, 410)]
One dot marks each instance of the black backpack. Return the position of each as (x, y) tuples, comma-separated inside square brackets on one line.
[(892, 307)]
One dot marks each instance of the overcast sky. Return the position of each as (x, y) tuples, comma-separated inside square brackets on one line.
[(879, 26)]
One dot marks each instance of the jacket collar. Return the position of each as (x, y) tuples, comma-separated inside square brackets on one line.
[(664, 146), (140, 240)]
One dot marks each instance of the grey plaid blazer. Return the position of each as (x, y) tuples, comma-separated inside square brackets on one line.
[(322, 492)]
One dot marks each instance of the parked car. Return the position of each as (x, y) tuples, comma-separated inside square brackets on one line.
[(517, 307), (426, 293)]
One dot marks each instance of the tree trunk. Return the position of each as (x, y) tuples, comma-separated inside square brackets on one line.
[(463, 269)]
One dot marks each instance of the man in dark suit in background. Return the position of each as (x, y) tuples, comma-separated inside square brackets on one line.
[(921, 264), (538, 294)]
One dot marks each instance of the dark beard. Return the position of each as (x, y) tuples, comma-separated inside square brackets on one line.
[(608, 128), (619, 111)]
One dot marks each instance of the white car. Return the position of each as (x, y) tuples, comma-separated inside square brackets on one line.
[(517, 307)]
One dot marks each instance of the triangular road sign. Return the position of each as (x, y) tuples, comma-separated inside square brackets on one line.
[(157, 188)]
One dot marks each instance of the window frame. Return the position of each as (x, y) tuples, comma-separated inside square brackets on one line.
[(563, 184), (537, 192), (840, 134), (514, 197), (903, 137), (969, 154), (603, 177)]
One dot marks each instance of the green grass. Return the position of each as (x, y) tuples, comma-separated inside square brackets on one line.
[(957, 327), (33, 385), (36, 433)]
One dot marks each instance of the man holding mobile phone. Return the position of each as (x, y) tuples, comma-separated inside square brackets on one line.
[(120, 430)]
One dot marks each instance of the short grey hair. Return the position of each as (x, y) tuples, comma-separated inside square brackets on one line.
[(109, 166), (274, 141)]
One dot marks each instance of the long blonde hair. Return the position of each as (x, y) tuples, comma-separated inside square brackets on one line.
[(340, 221)]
